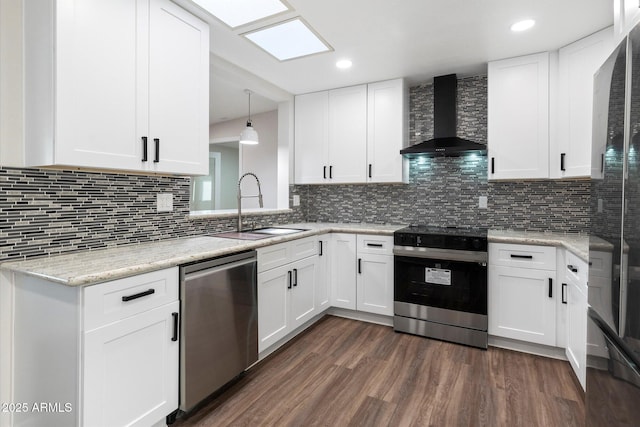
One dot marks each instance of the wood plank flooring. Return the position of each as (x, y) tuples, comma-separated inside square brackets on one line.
[(343, 372)]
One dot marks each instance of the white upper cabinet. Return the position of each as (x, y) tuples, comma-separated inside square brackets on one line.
[(386, 131), (311, 124), (626, 13), (352, 134), (570, 148), (518, 117), (103, 76)]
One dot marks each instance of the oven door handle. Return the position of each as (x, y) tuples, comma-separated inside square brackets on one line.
[(440, 254)]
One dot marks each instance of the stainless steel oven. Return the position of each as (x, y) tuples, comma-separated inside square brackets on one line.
[(440, 284)]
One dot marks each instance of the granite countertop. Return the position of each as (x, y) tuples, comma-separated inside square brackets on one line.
[(578, 244), (96, 266)]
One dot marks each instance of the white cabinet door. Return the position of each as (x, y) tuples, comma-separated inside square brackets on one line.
[(348, 134), (273, 305), (386, 131), (576, 350), (131, 370), (520, 305), (518, 117), (302, 301), (343, 270), (375, 284), (312, 138), (93, 117), (178, 89), (571, 146), (323, 276)]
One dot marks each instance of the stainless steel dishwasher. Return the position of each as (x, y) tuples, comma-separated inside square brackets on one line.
[(219, 326)]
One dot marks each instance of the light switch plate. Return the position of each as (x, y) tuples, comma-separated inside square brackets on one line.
[(164, 202), (482, 202), (296, 200)]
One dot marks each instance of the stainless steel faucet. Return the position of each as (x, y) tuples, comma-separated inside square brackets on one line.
[(240, 197)]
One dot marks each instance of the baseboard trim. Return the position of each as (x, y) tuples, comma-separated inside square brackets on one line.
[(527, 347), (361, 315)]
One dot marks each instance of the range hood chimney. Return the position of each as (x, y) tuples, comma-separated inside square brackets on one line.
[(444, 142)]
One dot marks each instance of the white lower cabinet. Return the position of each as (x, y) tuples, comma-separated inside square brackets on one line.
[(362, 273), (576, 350), (522, 293), (108, 354), (286, 289), (323, 274)]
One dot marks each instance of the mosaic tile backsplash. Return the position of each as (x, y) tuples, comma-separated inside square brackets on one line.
[(48, 212)]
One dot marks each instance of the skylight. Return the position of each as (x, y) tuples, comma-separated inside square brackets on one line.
[(235, 13), (288, 40)]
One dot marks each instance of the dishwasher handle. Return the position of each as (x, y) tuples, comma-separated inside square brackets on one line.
[(204, 268)]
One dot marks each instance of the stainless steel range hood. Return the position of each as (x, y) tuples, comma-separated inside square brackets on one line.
[(445, 141)]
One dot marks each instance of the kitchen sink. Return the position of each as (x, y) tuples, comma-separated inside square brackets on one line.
[(278, 231), (260, 233)]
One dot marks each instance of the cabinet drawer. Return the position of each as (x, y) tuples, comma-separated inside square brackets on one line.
[(523, 256), (368, 244), (111, 301), (283, 253), (577, 270)]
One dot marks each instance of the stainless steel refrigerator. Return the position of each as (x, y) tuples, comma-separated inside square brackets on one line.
[(613, 334)]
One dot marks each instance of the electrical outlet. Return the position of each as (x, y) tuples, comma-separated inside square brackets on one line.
[(164, 202), (600, 206), (482, 202), (296, 200)]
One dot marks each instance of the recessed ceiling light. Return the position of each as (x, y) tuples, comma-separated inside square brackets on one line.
[(343, 64), (235, 13), (523, 25), (288, 40)]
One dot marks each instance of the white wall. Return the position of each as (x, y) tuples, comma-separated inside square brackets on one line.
[(261, 159)]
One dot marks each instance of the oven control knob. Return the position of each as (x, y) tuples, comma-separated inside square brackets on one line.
[(476, 244)]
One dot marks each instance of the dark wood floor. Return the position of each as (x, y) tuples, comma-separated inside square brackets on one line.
[(347, 373)]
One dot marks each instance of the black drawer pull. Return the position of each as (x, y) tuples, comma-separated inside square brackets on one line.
[(289, 285), (330, 172), (144, 149), (601, 163), (140, 295), (324, 172), (562, 155), (176, 324), (295, 277), (521, 256), (564, 293), (572, 268), (370, 174), (493, 165), (550, 288), (374, 245), (157, 141), (359, 265), (320, 248)]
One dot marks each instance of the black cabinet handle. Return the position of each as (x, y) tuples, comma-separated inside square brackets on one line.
[(359, 265), (157, 141), (295, 277), (562, 161), (289, 274), (550, 287), (126, 298), (320, 247), (370, 174), (602, 163), (572, 268), (324, 172), (493, 165), (330, 172), (374, 245), (522, 256), (144, 149), (176, 324), (564, 293)]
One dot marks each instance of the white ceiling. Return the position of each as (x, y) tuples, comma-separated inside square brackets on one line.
[(416, 39)]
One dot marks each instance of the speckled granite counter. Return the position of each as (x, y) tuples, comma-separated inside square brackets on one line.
[(91, 267), (576, 243)]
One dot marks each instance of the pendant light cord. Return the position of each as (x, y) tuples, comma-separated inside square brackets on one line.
[(249, 120)]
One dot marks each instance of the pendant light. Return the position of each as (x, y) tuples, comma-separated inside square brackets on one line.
[(248, 135)]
